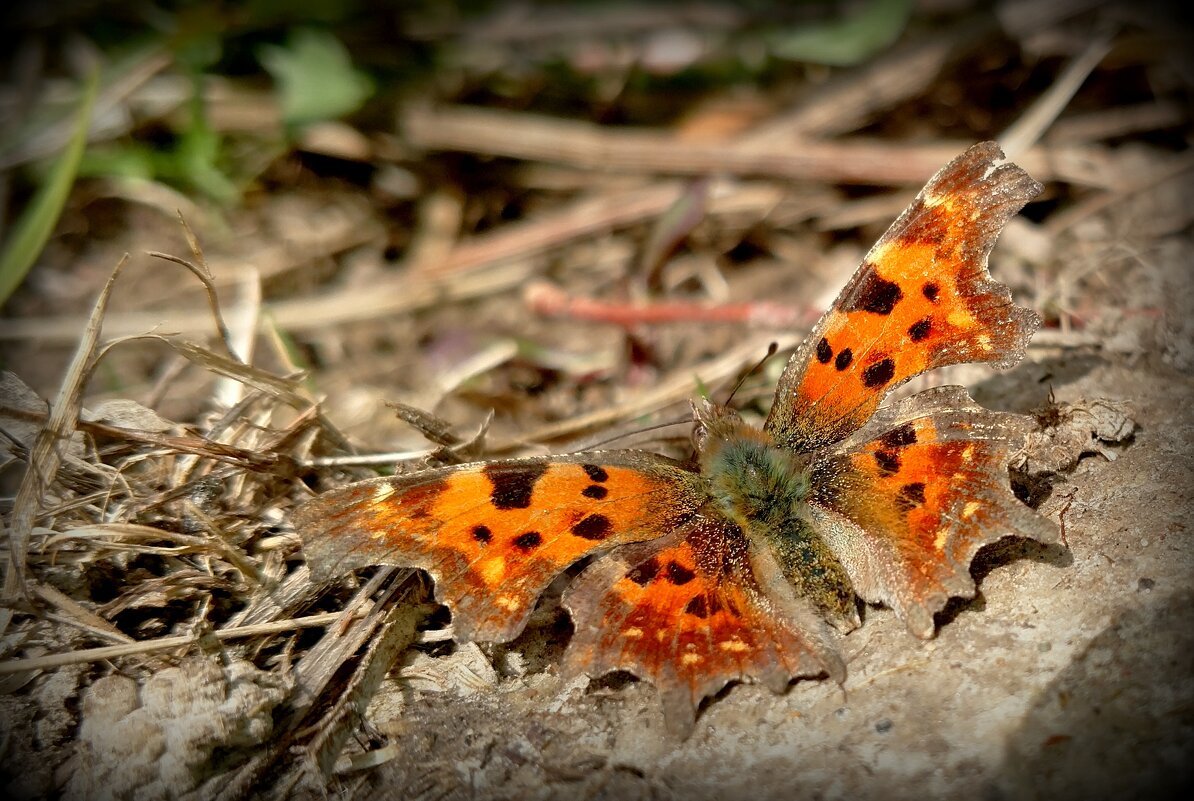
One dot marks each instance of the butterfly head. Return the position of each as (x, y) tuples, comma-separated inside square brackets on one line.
[(751, 477), (713, 424)]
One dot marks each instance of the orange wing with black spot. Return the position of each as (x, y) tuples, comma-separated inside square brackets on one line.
[(921, 299), (907, 501), (493, 535), (692, 612)]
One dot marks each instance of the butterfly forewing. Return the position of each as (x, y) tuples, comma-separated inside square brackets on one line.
[(493, 535), (921, 299)]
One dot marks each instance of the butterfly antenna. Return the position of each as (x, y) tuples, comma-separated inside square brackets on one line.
[(590, 446), (771, 349)]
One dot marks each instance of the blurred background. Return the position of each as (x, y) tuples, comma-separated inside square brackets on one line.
[(534, 206)]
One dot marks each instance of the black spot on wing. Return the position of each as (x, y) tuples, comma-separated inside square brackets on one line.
[(528, 541), (899, 437), (594, 491), (920, 330), (888, 462), (824, 352), (678, 574), (931, 291), (697, 607), (593, 527), (875, 294), (513, 484), (914, 493), (595, 472), (644, 573), (878, 373), (482, 534), (843, 359)]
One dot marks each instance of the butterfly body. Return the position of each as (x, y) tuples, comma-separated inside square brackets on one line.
[(764, 490), (736, 564)]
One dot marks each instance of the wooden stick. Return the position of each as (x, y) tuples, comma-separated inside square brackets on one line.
[(868, 162)]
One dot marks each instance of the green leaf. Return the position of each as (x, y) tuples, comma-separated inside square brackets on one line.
[(32, 230), (119, 160), (315, 76), (848, 41), (192, 161), (196, 158)]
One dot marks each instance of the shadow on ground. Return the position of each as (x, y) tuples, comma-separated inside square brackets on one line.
[(1119, 721)]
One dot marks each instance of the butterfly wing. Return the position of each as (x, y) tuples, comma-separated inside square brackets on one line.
[(691, 612), (906, 502), (921, 299), (493, 535)]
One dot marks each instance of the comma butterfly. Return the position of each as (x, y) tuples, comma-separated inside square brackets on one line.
[(736, 565)]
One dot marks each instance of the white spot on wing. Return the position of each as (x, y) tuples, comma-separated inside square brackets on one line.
[(493, 570), (507, 602)]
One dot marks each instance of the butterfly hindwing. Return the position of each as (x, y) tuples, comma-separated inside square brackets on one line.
[(493, 535), (908, 500), (690, 613), (921, 299)]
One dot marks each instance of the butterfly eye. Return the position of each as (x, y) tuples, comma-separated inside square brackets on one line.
[(700, 436), (703, 413)]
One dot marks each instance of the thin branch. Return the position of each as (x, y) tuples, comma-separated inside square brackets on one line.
[(166, 643)]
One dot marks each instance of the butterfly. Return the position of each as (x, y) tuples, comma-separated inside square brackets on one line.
[(740, 563)]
